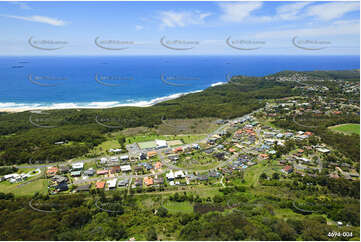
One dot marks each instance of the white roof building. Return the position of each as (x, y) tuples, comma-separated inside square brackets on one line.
[(161, 143), (114, 158), (126, 168), (323, 150), (103, 160), (195, 146), (112, 183), (14, 175), (179, 174), (124, 157), (115, 150), (170, 175), (78, 165)]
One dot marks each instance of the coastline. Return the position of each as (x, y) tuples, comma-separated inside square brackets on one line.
[(11, 107)]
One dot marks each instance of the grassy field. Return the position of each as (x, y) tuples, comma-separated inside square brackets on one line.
[(187, 126), (179, 207), (27, 189), (347, 128)]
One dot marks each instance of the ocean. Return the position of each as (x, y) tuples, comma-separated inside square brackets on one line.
[(104, 81)]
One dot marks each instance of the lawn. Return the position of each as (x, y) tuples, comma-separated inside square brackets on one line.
[(179, 207), (347, 128), (27, 189)]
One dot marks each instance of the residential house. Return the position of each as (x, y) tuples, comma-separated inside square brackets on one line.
[(103, 160), (170, 176), (89, 172), (178, 149), (59, 179), (115, 169), (138, 182), (125, 168), (148, 166), (323, 150), (75, 173), (148, 181), (63, 186), (124, 158), (115, 150), (102, 172), (263, 156), (114, 159), (173, 157), (51, 171), (138, 168), (77, 166), (112, 183), (179, 174), (83, 188), (100, 185), (64, 169), (196, 146), (123, 183), (143, 156), (287, 169), (158, 165), (159, 181), (151, 154)]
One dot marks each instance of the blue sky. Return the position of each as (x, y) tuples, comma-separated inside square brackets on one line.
[(187, 28)]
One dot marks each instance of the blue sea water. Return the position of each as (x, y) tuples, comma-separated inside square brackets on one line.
[(66, 82)]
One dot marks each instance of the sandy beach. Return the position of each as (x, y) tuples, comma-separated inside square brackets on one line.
[(16, 108)]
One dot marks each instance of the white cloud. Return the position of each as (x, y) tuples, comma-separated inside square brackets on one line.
[(244, 11), (237, 12), (139, 27), (329, 11), (337, 28), (21, 5), (291, 11), (39, 19), (182, 19)]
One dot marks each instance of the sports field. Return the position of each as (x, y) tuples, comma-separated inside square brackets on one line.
[(347, 128), (147, 145)]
